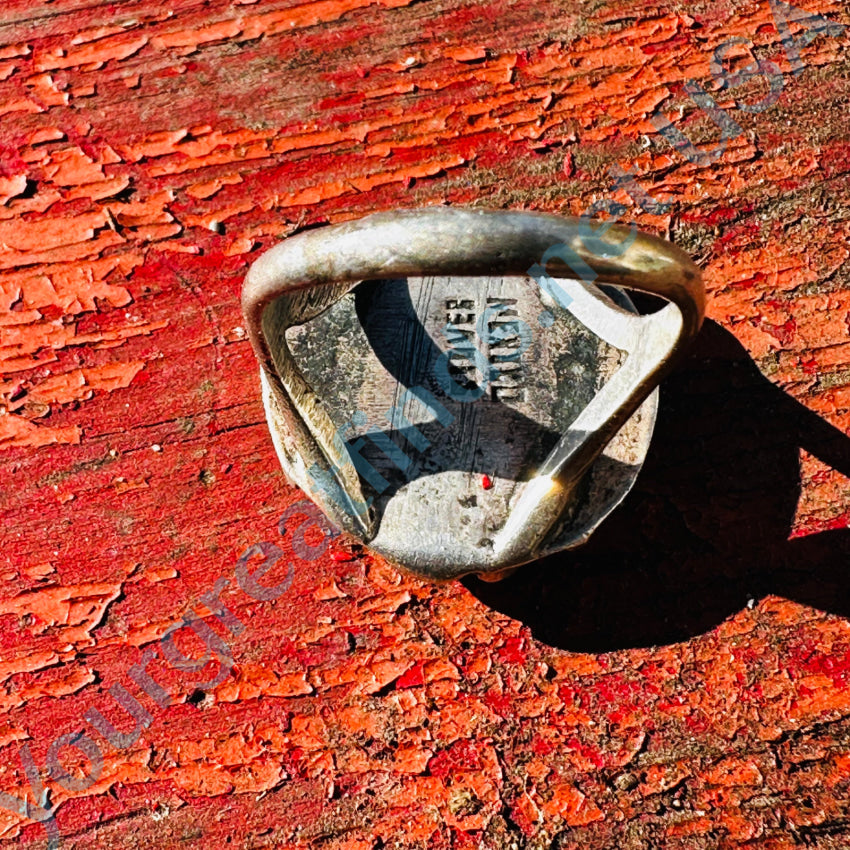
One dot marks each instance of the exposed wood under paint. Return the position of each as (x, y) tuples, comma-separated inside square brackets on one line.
[(148, 153)]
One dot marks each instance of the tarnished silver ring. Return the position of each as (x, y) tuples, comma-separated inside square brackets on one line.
[(353, 326)]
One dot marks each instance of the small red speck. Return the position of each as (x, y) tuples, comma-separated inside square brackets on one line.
[(339, 556), (486, 483)]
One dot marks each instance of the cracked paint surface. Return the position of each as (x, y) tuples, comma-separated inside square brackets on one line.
[(684, 682)]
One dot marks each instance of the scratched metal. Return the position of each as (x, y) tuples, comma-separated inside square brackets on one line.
[(463, 465)]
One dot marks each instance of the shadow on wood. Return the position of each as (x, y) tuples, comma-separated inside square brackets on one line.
[(706, 528)]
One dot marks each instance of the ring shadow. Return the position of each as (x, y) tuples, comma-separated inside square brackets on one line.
[(705, 529)]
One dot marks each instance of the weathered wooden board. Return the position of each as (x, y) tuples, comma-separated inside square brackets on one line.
[(683, 682)]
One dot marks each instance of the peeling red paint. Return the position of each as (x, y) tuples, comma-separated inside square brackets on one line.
[(145, 161)]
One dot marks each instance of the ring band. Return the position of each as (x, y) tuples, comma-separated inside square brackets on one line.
[(304, 275)]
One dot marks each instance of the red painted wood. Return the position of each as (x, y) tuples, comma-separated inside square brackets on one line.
[(680, 683)]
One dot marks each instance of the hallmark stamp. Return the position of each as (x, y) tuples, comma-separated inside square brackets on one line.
[(486, 342)]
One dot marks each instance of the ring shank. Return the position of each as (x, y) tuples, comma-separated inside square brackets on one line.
[(442, 241), (304, 275)]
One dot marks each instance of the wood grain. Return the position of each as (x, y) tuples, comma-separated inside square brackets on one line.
[(683, 682)]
